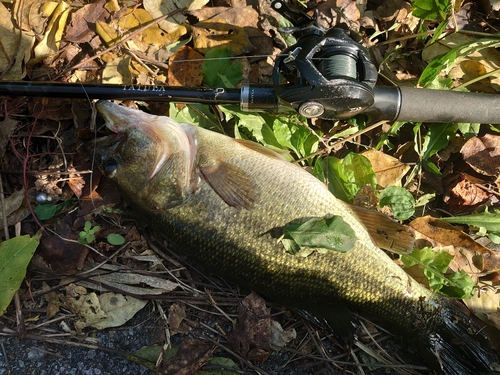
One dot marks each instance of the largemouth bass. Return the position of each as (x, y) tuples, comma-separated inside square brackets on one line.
[(225, 202)]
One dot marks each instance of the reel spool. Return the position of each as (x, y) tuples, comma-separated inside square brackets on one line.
[(329, 75)]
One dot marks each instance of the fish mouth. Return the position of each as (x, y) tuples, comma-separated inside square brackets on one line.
[(167, 135)]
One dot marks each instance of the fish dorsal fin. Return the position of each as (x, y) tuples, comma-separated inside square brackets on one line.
[(387, 233), (231, 183), (259, 148)]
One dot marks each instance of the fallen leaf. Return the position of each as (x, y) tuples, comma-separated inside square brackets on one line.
[(466, 195), (185, 68), (15, 45), (85, 305), (158, 8), (251, 337), (53, 300), (334, 12), (12, 203), (53, 32), (78, 31), (483, 154), (76, 182), (389, 170), (15, 254), (279, 337), (485, 303), (215, 32), (109, 277), (118, 308), (489, 58), (470, 256), (192, 354), (30, 15), (176, 314), (118, 71)]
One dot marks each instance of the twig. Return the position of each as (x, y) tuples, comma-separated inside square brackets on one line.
[(4, 211), (21, 326), (7, 364)]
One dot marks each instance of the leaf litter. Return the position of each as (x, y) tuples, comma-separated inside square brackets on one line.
[(450, 168)]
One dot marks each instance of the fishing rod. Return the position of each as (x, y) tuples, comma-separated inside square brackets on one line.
[(329, 75)]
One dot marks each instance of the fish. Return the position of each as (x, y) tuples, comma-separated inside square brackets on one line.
[(225, 203)]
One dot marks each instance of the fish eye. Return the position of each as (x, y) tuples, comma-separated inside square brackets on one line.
[(110, 167)]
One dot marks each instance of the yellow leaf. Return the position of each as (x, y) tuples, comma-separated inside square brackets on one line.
[(106, 32), (118, 71), (215, 32), (389, 170), (53, 33), (15, 46), (158, 8)]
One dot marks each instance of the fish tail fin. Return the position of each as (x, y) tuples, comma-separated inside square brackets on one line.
[(458, 346)]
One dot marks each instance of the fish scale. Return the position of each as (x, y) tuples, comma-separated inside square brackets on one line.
[(229, 217)]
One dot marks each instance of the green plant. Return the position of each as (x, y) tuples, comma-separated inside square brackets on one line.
[(87, 235)]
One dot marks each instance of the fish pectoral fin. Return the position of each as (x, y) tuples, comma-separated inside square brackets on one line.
[(231, 183), (387, 233), (260, 149)]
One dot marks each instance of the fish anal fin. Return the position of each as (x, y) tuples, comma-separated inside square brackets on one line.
[(231, 183), (260, 149), (387, 233)]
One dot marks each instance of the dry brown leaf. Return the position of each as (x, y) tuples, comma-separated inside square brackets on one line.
[(85, 305), (466, 195), (483, 154), (252, 336), (215, 32), (389, 170), (7, 127), (470, 256), (15, 46), (334, 12), (193, 354), (485, 304), (78, 31), (279, 337), (118, 308), (76, 182), (185, 68), (176, 314), (158, 8)]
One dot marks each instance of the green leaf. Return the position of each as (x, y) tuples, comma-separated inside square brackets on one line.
[(198, 114), (487, 222), (48, 211), (337, 179), (219, 70), (252, 125), (15, 254), (469, 130), (437, 138), (446, 61), (115, 239), (430, 9), (293, 134), (222, 366), (400, 200), (331, 233), (346, 177), (434, 264)]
